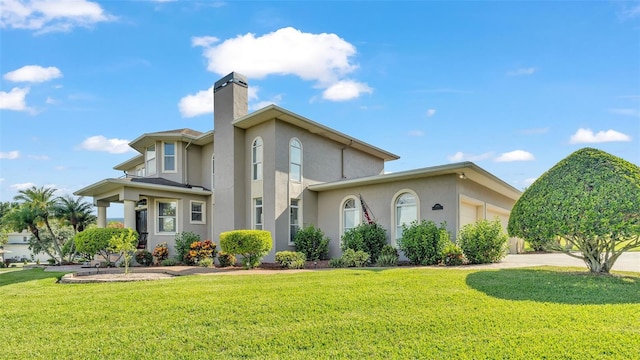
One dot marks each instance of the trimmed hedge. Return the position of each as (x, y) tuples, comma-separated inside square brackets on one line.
[(251, 244), (95, 241), (291, 259), (423, 242), (483, 242)]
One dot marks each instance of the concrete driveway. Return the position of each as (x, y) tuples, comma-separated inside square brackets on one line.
[(629, 261)]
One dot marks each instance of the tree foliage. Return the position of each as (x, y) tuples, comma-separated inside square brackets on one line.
[(95, 241), (423, 242), (312, 242), (591, 200), (369, 238), (124, 244), (483, 241), (251, 244)]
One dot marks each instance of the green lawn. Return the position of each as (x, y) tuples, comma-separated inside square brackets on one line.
[(399, 313)]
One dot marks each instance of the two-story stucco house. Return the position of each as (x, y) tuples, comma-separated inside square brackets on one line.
[(276, 170)]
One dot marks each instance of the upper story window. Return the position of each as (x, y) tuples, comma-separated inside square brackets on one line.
[(256, 159), (150, 160), (169, 160), (295, 160), (350, 214), (140, 170), (406, 211)]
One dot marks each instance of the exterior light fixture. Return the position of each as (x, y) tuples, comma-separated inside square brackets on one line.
[(462, 176)]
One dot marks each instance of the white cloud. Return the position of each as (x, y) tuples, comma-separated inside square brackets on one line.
[(260, 104), (11, 155), (51, 15), (199, 103), (529, 181), (50, 100), (460, 156), (34, 74), (23, 186), (322, 58), (516, 155), (626, 112), (416, 133), (345, 90), (101, 143), (522, 71), (431, 112), (14, 99), (586, 136)]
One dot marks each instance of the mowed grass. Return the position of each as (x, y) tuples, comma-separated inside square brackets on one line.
[(399, 313)]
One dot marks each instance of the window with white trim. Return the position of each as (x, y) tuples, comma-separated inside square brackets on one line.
[(257, 213), (295, 160), (169, 157), (256, 159), (294, 219), (139, 171), (150, 160), (198, 212), (350, 215), (406, 211), (167, 216)]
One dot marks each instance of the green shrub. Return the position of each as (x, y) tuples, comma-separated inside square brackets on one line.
[(369, 238), (483, 242), (161, 252), (200, 250), (388, 256), (144, 258), (251, 244), (422, 242), (169, 262), (183, 244), (291, 259), (225, 259), (452, 255), (95, 241), (312, 242), (352, 258), (206, 262), (336, 263)]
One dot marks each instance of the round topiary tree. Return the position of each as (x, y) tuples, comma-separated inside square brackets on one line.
[(591, 201), (251, 244)]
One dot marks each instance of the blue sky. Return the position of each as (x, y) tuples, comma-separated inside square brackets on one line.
[(513, 86)]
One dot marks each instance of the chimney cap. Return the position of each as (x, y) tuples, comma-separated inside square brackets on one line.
[(233, 77)]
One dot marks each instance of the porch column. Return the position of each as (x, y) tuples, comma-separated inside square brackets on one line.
[(102, 216), (130, 214)]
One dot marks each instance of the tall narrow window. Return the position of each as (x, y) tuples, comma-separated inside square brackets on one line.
[(167, 217), (406, 212), (150, 158), (256, 159), (169, 163), (295, 160), (294, 219), (257, 213), (198, 212), (350, 215)]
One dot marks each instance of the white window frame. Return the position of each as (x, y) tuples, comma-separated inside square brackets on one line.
[(257, 158), (165, 156), (292, 163), (298, 209), (158, 216), (203, 212), (148, 160), (140, 170), (258, 222), (357, 210), (397, 228)]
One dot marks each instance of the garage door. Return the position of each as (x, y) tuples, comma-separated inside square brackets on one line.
[(504, 218), (468, 214)]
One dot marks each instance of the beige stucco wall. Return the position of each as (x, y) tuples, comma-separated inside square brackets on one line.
[(381, 198)]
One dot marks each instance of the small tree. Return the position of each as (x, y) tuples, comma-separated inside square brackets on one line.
[(369, 238), (591, 200), (251, 244), (95, 241), (124, 244), (423, 242), (483, 241), (312, 242)]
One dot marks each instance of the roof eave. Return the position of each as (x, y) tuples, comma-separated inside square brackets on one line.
[(107, 185)]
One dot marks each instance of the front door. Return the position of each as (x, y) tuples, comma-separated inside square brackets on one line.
[(141, 228)]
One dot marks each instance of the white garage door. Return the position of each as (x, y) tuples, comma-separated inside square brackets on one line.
[(468, 214)]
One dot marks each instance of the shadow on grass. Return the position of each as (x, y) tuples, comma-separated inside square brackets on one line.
[(556, 286), (20, 276)]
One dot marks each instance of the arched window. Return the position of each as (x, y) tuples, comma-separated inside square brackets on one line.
[(256, 159), (350, 214), (406, 211), (295, 160)]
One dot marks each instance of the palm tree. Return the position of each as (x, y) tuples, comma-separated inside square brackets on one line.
[(41, 203), (75, 212), (21, 218)]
